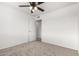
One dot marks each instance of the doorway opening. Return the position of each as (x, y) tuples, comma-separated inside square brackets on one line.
[(38, 30)]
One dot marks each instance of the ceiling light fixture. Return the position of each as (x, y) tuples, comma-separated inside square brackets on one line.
[(30, 7), (35, 8)]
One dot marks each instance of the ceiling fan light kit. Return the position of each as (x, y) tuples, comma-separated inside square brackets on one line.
[(33, 6), (30, 8)]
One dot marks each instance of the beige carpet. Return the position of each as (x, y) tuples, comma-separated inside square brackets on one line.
[(37, 48)]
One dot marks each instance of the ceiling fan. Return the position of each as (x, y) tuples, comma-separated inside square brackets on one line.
[(33, 6)]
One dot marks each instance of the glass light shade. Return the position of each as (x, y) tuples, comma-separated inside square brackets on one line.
[(35, 8), (30, 8)]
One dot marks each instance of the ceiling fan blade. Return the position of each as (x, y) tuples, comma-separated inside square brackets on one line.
[(40, 3), (24, 5), (40, 9), (31, 11)]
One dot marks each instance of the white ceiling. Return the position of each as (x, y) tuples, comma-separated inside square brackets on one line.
[(53, 6), (47, 6)]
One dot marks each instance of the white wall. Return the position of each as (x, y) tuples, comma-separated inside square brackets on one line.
[(60, 27), (14, 28), (32, 29)]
